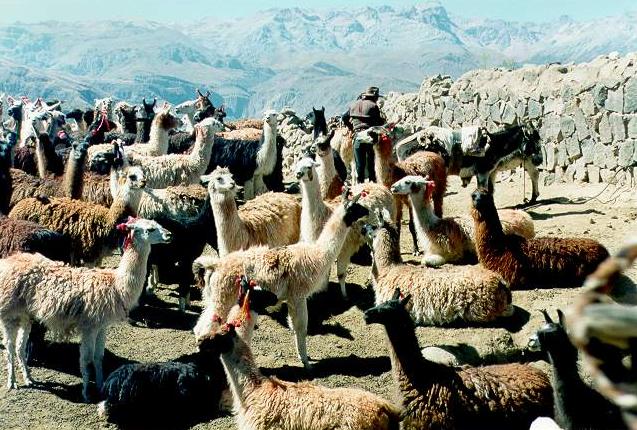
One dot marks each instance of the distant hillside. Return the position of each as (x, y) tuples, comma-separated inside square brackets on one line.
[(281, 57)]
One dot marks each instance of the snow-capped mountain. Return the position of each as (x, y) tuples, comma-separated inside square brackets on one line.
[(285, 57)]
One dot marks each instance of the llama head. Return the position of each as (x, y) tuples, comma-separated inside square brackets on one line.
[(323, 144), (149, 108), (413, 185), (15, 111), (390, 313), (131, 178), (270, 117), (212, 126), (220, 181), (482, 201), (532, 144), (139, 230), (552, 337), (305, 169), (187, 107), (353, 210), (125, 112), (379, 227), (79, 150), (220, 114), (165, 120)]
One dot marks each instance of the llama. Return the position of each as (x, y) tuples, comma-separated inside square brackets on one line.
[(316, 212), (331, 177), (292, 272), (505, 396), (441, 296), (577, 405), (529, 263), (72, 299), (249, 160), (91, 227), (270, 219), (263, 403), (450, 240)]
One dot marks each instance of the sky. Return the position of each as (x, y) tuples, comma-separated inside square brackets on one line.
[(185, 10)]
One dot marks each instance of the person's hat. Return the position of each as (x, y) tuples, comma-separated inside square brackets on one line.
[(372, 92)]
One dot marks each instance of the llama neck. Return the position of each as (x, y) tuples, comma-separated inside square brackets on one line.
[(201, 152), (386, 249), (23, 132), (41, 159), (227, 222), (423, 216), (243, 374), (125, 204), (409, 367), (333, 235), (266, 156), (488, 229), (74, 177), (326, 172), (131, 272), (383, 167), (312, 207), (158, 137)]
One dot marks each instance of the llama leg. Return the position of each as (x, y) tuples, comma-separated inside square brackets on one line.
[(184, 296), (21, 346), (9, 334), (259, 185), (98, 357), (87, 352), (399, 215), (248, 189), (153, 279), (298, 315), (342, 263), (412, 230), (534, 174)]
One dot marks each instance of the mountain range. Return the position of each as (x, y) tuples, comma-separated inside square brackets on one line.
[(285, 57)]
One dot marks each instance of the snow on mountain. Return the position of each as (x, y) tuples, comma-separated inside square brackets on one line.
[(279, 57)]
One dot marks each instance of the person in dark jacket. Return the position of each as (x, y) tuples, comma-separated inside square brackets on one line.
[(363, 114)]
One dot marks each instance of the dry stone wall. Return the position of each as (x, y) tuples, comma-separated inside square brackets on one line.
[(586, 113)]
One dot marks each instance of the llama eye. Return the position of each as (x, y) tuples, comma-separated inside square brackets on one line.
[(132, 177)]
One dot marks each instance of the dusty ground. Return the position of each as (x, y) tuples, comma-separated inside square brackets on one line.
[(349, 353)]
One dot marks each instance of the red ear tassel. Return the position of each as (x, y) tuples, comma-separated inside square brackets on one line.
[(216, 318)]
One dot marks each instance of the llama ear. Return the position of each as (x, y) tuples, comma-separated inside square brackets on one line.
[(547, 318), (322, 108), (396, 295), (405, 300), (561, 318)]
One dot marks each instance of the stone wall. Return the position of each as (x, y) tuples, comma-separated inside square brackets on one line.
[(586, 113)]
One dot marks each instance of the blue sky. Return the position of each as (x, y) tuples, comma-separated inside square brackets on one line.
[(183, 10)]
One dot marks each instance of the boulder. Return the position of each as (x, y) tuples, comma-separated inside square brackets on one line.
[(615, 100), (593, 174), (630, 95), (567, 126), (626, 152), (618, 127)]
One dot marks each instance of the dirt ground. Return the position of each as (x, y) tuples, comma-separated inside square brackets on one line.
[(348, 352)]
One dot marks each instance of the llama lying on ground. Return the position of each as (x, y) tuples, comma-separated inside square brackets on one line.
[(249, 158), (182, 169), (450, 240), (316, 212), (188, 389), (72, 299), (270, 219), (577, 405), (528, 263), (435, 396), (441, 296), (263, 403), (91, 227), (292, 272)]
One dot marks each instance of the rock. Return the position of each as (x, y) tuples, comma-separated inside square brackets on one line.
[(611, 159), (581, 172), (520, 108), (554, 105), (630, 95), (587, 147), (440, 356), (600, 93), (494, 113), (569, 173), (567, 126), (551, 128), (626, 152), (608, 176), (447, 117), (593, 174), (615, 100), (534, 109), (605, 133), (509, 115), (587, 104), (551, 159), (573, 149), (617, 126), (549, 179), (632, 125), (562, 155), (600, 153)]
